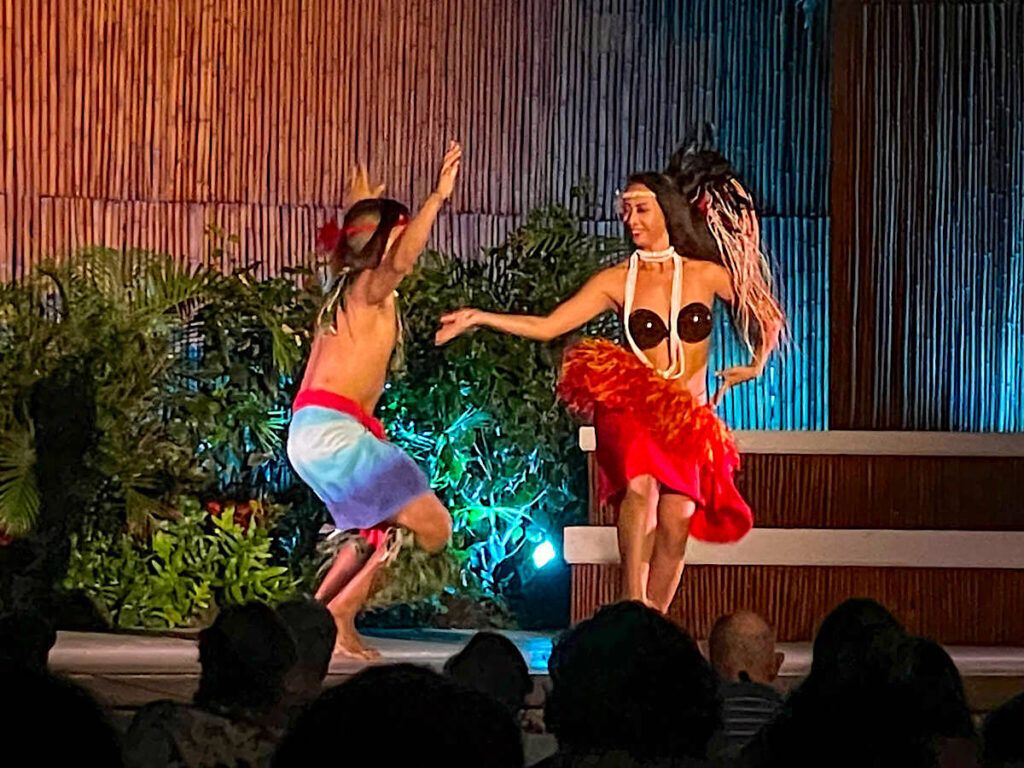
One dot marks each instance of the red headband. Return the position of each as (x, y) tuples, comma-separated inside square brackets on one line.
[(330, 234)]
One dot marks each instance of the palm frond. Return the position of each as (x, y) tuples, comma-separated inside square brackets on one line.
[(19, 496), (142, 512), (552, 242), (144, 283)]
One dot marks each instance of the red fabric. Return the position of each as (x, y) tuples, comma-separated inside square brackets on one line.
[(327, 399), (376, 536), (328, 236), (648, 425)]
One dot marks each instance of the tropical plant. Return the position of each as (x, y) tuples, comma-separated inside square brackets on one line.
[(192, 372), (178, 574), (481, 415), (180, 358)]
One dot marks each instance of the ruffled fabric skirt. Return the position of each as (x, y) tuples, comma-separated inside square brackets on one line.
[(648, 425)]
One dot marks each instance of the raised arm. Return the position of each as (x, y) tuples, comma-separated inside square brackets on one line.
[(594, 298), (400, 260)]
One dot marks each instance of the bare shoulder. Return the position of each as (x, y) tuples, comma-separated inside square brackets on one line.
[(708, 272), (613, 274), (611, 280), (701, 268), (360, 294)]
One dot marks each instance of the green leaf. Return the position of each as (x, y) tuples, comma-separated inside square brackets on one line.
[(19, 497)]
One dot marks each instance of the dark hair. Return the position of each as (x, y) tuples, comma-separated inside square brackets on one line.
[(855, 708), (850, 635), (1003, 735), (686, 231), (694, 169), (26, 639), (244, 656), (54, 721), (365, 232), (934, 692), (492, 664), (313, 630), (402, 714), (630, 680)]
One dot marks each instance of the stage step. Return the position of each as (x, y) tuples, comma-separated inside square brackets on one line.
[(597, 544), (931, 524)]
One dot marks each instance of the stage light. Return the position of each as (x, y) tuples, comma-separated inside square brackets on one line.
[(543, 554)]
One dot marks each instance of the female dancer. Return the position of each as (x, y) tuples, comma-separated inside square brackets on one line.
[(664, 456), (334, 443)]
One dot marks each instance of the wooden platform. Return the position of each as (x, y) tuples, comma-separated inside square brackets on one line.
[(931, 524), (127, 670)]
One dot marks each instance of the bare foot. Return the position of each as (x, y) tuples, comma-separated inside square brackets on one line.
[(350, 601), (350, 644)]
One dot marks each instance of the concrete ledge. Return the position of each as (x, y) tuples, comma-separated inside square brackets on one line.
[(853, 443), (850, 443), (826, 547)]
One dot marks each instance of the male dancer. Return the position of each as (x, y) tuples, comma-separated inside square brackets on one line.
[(335, 444)]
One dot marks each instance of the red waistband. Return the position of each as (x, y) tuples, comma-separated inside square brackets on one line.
[(327, 399)]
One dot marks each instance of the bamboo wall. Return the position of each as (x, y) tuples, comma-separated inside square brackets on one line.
[(955, 606), (133, 122), (143, 123), (928, 202)]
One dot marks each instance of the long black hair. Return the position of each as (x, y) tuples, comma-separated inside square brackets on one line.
[(710, 216), (686, 232)]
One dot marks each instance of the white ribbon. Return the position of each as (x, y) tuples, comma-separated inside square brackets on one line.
[(677, 364)]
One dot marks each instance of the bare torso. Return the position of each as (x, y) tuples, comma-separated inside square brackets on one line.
[(701, 281), (354, 361)]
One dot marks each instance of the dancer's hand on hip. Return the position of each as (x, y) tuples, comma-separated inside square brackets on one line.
[(730, 377), (449, 170), (455, 324)]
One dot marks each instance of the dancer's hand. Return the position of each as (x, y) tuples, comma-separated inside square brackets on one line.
[(455, 324), (449, 170), (730, 377), (360, 187)]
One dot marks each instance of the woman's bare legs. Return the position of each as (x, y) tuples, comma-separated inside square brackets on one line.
[(638, 514), (670, 537)]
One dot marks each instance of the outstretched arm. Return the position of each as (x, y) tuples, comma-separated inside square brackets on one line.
[(400, 260), (594, 298)]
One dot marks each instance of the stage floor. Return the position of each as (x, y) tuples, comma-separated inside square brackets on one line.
[(125, 671)]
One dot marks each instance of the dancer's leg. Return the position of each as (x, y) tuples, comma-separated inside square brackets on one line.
[(429, 521), (431, 524), (637, 519), (347, 562), (349, 602), (670, 537)]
